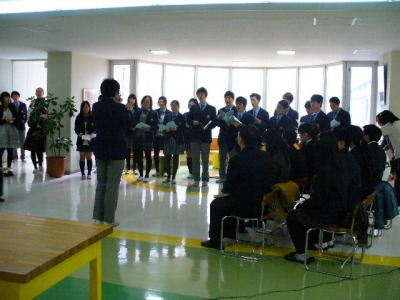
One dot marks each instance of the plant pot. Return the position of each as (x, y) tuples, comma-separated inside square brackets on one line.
[(55, 166)]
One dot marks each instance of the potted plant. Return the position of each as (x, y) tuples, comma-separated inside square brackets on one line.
[(52, 125)]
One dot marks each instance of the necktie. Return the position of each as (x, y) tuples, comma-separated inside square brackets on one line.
[(202, 106), (255, 113), (313, 117), (239, 116), (277, 121)]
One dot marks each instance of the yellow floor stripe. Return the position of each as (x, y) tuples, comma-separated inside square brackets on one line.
[(274, 251)]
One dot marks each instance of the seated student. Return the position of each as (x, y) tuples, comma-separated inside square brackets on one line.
[(174, 141), (363, 155), (318, 117), (372, 135), (327, 205), (353, 168), (249, 168), (298, 167), (308, 139), (276, 150), (307, 106), (281, 121), (261, 115), (338, 117)]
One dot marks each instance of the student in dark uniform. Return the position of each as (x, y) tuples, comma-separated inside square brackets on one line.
[(318, 117), (143, 140), (372, 135), (338, 117), (280, 121), (20, 121), (307, 106), (290, 113), (223, 134), (158, 145), (188, 138), (298, 167), (202, 118), (308, 139), (261, 115)]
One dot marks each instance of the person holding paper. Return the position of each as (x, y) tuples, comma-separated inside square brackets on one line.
[(318, 117), (338, 117), (261, 115), (222, 136), (202, 118), (145, 122), (174, 140), (84, 128), (281, 121)]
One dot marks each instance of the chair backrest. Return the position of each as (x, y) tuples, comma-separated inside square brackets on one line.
[(360, 222), (369, 201)]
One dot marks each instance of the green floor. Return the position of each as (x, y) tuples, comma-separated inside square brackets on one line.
[(140, 270)]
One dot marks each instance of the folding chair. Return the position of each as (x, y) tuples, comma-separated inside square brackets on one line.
[(369, 203), (267, 209)]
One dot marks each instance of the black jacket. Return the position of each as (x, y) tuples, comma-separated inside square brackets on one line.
[(342, 116), (354, 193), (21, 116), (203, 117), (80, 127), (298, 167), (321, 121), (283, 123), (178, 135), (292, 114), (263, 115)]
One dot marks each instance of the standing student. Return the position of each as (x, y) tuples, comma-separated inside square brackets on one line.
[(281, 121), (174, 141), (84, 125), (144, 137), (307, 106), (111, 119), (338, 117), (188, 138), (229, 97), (290, 113), (261, 116), (20, 120), (9, 138), (132, 108), (318, 117), (1, 184), (202, 118), (162, 113), (35, 141)]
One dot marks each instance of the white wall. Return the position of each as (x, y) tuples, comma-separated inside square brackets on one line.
[(5, 76), (27, 76)]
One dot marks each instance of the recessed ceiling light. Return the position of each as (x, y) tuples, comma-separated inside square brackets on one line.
[(362, 52), (286, 52), (159, 52), (239, 63)]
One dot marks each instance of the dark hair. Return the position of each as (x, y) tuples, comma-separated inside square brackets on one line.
[(82, 105), (133, 96), (4, 95), (15, 93), (175, 102), (242, 100), (151, 101), (229, 94), (374, 132), (250, 135), (317, 98), (283, 103), (256, 95), (289, 136), (335, 100), (288, 96), (164, 99), (310, 129), (355, 135), (275, 143), (202, 90), (342, 135), (109, 87), (100, 98), (328, 151), (307, 104), (386, 116), (193, 100)]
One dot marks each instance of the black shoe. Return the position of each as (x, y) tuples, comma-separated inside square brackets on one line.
[(10, 173), (211, 244), (296, 257), (2, 200)]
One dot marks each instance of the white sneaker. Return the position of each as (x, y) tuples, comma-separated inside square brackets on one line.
[(156, 174), (97, 221), (136, 172), (126, 172), (83, 177), (190, 176), (195, 184), (165, 174), (204, 183), (140, 178), (173, 181), (89, 177), (146, 179), (40, 168), (166, 180), (37, 171), (114, 224)]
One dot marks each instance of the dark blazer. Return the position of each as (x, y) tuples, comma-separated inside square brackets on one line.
[(354, 170), (246, 119), (309, 152), (379, 157), (178, 135), (298, 167), (321, 121), (151, 120), (280, 168), (282, 124), (249, 168), (367, 182), (203, 117), (292, 114), (223, 128), (342, 116), (111, 120), (263, 115), (232, 132), (22, 115), (80, 128), (305, 119), (167, 112)]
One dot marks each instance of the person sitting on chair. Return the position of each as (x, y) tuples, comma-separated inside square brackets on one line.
[(249, 168), (298, 168)]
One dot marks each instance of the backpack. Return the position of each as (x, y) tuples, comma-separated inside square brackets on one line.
[(361, 224)]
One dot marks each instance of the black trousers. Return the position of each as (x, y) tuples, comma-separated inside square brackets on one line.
[(175, 163), (298, 222), (158, 145), (139, 155), (396, 169), (9, 157)]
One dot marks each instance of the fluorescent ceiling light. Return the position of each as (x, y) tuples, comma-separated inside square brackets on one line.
[(30, 6), (239, 63), (286, 52), (159, 52)]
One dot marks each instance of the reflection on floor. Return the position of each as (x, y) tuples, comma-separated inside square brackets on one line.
[(156, 253)]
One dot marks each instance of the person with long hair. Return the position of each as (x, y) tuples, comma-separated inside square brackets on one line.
[(132, 107), (328, 202), (391, 128), (192, 101), (84, 125), (9, 137), (144, 137), (308, 140), (35, 141), (277, 151)]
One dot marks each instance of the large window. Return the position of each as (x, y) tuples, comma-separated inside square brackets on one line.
[(149, 81), (280, 81), (122, 74), (179, 85), (334, 84), (311, 81), (27, 76), (247, 81), (360, 95)]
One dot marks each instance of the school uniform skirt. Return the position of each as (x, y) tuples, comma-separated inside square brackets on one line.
[(9, 137), (172, 148)]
